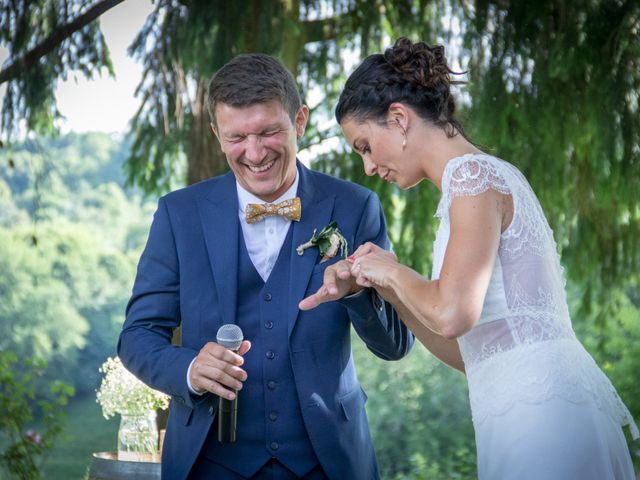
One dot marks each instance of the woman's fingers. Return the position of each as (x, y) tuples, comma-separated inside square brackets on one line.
[(362, 250)]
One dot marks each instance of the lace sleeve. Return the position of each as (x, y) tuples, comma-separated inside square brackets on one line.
[(470, 175)]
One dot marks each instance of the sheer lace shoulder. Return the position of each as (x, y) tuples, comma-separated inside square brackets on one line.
[(473, 174), (470, 175)]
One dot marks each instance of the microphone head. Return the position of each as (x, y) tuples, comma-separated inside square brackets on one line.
[(229, 336)]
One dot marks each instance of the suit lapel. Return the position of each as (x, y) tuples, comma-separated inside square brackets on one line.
[(316, 214), (220, 224)]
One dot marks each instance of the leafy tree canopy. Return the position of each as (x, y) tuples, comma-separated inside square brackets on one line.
[(71, 236), (46, 40), (555, 88)]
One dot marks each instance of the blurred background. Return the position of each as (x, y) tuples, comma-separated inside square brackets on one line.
[(103, 111)]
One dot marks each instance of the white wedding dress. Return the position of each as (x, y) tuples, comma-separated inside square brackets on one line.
[(541, 407)]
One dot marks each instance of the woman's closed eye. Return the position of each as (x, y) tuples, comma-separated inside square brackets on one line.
[(362, 149)]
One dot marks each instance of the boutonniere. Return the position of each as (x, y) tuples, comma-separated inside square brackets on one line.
[(328, 241)]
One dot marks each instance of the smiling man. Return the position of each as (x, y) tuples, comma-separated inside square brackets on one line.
[(218, 254)]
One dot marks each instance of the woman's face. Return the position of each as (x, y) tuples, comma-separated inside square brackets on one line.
[(382, 151)]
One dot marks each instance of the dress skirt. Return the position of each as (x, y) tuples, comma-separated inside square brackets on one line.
[(553, 440)]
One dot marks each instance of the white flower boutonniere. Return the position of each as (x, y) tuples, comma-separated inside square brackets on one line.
[(328, 241)]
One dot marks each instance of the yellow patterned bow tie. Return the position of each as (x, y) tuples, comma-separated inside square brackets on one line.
[(289, 209)]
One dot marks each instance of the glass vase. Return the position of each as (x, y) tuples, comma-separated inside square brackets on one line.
[(138, 438)]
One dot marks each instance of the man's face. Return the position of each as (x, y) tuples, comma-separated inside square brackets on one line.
[(260, 144)]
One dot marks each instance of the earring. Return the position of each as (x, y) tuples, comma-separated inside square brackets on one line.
[(404, 134)]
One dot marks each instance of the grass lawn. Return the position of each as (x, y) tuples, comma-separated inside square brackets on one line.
[(86, 432)]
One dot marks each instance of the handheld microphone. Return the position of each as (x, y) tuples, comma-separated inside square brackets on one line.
[(229, 336)]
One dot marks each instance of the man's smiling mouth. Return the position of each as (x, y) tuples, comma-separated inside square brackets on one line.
[(261, 168)]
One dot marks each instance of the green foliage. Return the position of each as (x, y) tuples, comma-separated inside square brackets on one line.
[(621, 358), (69, 252), (184, 42), (616, 347), (419, 415), (613, 343), (30, 94), (555, 91), (36, 314), (86, 431), (23, 450)]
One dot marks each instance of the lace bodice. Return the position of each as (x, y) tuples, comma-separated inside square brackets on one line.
[(523, 347)]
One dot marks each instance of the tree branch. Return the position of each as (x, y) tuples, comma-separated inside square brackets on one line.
[(54, 39)]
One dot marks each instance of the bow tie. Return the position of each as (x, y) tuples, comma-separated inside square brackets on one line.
[(290, 209)]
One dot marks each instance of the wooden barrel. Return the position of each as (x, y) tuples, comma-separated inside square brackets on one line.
[(106, 466)]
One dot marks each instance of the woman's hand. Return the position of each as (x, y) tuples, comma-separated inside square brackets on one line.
[(374, 267)]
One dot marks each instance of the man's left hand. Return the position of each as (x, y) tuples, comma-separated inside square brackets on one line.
[(338, 282)]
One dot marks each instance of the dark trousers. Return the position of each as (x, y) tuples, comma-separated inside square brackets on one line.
[(205, 469)]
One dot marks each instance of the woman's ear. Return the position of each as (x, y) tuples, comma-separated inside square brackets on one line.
[(398, 114)]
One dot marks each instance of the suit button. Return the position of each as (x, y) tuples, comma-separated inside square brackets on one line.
[(271, 385), (268, 324), (211, 410), (274, 446), (267, 297), (270, 355), (273, 416)]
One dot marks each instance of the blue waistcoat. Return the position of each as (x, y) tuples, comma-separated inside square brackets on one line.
[(270, 422)]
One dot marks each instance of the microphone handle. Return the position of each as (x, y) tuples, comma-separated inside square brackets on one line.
[(227, 419)]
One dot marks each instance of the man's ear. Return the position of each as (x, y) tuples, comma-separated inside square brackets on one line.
[(215, 132), (302, 116), (398, 114)]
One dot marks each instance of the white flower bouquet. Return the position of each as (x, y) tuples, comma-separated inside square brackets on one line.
[(122, 393), (136, 403)]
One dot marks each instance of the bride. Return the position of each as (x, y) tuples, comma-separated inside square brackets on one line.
[(495, 307)]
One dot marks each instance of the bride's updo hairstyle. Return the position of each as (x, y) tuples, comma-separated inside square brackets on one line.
[(414, 74)]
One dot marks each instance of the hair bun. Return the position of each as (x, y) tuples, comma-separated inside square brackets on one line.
[(419, 63)]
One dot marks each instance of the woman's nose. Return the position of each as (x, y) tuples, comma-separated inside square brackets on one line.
[(369, 167)]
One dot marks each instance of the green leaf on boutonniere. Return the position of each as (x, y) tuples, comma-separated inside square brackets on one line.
[(328, 241)]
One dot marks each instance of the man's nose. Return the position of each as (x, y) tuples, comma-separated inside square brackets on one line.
[(255, 151)]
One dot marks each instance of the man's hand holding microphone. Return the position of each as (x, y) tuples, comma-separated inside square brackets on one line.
[(217, 369)]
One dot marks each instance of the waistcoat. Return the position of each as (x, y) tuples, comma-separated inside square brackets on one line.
[(270, 422)]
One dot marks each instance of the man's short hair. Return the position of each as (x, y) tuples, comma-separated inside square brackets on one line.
[(251, 79)]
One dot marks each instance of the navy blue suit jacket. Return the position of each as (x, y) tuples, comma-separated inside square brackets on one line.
[(187, 275)]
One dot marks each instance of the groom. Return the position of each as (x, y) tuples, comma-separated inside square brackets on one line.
[(211, 260)]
